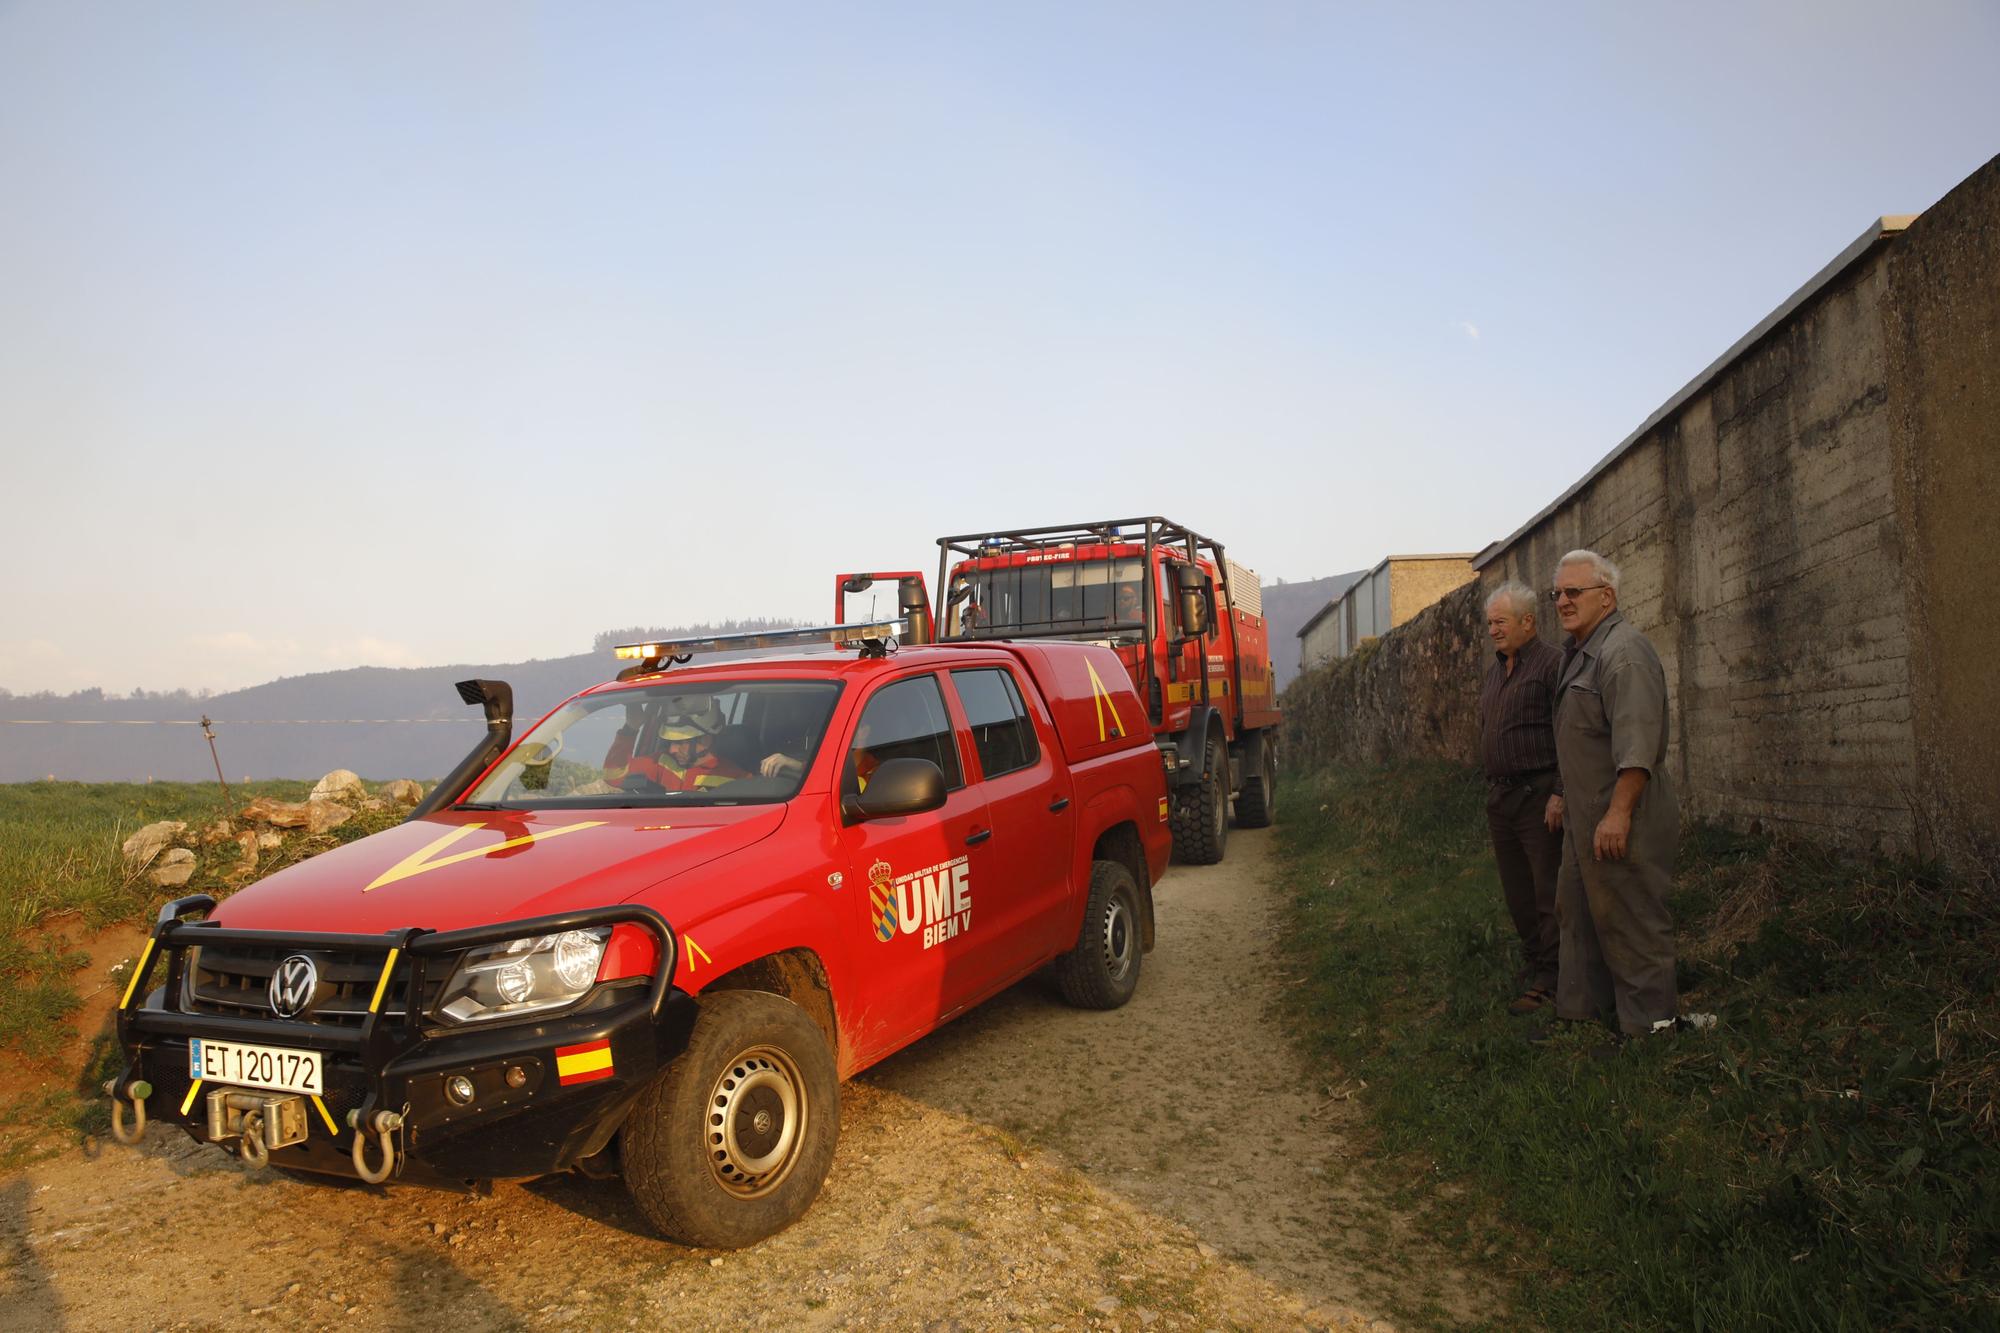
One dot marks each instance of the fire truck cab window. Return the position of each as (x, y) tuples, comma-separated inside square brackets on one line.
[(1001, 731), (1058, 596), (905, 720)]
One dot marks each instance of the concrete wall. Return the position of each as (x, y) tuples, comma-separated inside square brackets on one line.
[(1942, 334), (1805, 534)]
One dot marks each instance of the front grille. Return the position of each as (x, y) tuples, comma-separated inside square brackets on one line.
[(234, 979)]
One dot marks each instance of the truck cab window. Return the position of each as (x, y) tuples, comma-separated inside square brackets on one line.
[(905, 720)]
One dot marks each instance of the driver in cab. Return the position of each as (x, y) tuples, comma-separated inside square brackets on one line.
[(685, 760)]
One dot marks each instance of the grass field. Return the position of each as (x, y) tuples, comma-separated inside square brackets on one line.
[(1826, 1157), (63, 878)]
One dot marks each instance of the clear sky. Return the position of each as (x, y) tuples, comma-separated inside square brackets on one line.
[(338, 334)]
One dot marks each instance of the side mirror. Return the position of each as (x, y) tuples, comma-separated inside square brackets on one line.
[(915, 611), (1191, 587), (899, 787)]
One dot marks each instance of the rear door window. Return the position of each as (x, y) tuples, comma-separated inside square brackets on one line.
[(1001, 731)]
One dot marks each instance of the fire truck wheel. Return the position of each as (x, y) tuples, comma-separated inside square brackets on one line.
[(1257, 803), (1200, 818), (1102, 971), (731, 1142)]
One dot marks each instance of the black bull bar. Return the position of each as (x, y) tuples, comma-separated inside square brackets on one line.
[(388, 1057)]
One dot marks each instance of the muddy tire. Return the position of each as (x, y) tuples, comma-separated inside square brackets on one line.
[(1257, 803), (1200, 815), (731, 1142), (1102, 971)]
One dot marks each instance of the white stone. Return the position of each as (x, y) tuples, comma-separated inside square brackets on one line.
[(150, 841), (339, 785), (403, 791), (175, 868)]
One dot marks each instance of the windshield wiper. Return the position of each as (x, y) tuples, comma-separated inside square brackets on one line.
[(474, 805)]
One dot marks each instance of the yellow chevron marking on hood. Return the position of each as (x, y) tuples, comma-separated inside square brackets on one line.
[(419, 861)]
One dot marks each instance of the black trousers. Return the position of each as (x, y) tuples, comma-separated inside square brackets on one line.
[(1530, 858)]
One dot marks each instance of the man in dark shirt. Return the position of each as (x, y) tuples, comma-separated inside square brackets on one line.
[(1523, 791)]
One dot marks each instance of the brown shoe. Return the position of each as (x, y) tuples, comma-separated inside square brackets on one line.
[(1531, 1001)]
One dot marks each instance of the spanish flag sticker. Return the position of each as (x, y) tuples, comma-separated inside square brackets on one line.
[(583, 1064), (1163, 809)]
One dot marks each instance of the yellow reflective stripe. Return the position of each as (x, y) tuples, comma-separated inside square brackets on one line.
[(188, 1100), (388, 965), (145, 961), (327, 1116)]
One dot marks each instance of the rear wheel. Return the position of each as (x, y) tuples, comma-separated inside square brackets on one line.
[(1200, 814), (1102, 971), (1257, 803), (731, 1142)]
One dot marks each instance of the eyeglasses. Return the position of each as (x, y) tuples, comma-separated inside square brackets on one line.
[(1557, 594)]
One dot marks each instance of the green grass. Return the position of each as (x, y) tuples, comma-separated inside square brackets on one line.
[(1826, 1157), (62, 877), (59, 843)]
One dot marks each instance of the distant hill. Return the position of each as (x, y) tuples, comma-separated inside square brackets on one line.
[(1287, 608), (382, 722)]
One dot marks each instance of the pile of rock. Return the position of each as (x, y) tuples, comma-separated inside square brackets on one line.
[(164, 854)]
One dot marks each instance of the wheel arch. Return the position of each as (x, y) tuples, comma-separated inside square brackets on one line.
[(797, 975)]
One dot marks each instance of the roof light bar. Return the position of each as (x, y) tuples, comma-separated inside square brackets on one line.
[(806, 635)]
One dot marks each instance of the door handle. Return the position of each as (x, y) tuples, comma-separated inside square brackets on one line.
[(1059, 803), (974, 839)]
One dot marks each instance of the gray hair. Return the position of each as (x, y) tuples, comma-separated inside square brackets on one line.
[(1517, 592), (1604, 569)]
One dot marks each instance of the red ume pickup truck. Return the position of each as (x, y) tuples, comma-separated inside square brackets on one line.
[(651, 937)]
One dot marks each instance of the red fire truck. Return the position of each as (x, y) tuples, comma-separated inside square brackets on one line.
[(1186, 621)]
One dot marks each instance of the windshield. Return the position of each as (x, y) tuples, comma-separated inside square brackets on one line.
[(675, 743), (1068, 597)]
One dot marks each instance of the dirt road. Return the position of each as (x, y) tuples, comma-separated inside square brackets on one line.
[(1168, 1165)]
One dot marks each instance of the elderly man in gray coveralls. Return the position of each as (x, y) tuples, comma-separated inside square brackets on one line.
[(1622, 825)]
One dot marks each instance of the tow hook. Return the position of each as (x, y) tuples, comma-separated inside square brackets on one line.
[(139, 1091), (259, 1122), (382, 1124)]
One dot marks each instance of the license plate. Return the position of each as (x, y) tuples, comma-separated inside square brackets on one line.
[(246, 1066)]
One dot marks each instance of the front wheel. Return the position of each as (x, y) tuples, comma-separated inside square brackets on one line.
[(731, 1142), (1200, 818), (1102, 971)]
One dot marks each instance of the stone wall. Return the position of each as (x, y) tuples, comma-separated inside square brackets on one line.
[(1804, 535), (1412, 692)]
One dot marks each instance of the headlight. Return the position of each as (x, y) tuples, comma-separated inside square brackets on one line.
[(525, 976)]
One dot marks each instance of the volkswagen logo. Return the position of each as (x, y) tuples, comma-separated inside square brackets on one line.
[(294, 986)]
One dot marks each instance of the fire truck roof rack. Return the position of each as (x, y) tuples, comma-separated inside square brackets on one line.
[(871, 636), (1150, 530)]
